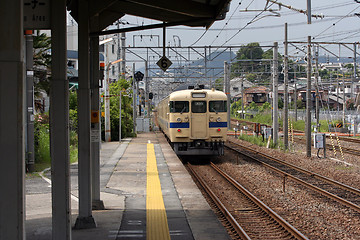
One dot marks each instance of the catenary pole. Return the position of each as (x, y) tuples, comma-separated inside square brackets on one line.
[(275, 124), (286, 98), (308, 100)]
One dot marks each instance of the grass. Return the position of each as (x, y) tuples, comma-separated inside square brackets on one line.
[(42, 148)]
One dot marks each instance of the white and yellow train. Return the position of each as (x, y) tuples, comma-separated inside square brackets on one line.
[(194, 121)]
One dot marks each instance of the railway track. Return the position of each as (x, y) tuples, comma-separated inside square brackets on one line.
[(334, 190), (247, 217)]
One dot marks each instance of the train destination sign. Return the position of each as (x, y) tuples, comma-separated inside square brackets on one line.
[(37, 14), (164, 63)]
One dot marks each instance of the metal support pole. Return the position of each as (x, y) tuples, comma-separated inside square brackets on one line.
[(344, 100), (242, 98), (317, 95), (353, 95), (107, 100), (120, 115), (227, 90), (309, 11), (59, 126), (308, 101), (286, 96), (30, 160), (85, 218), (123, 56), (296, 97), (275, 124), (147, 102), (134, 99), (97, 203)]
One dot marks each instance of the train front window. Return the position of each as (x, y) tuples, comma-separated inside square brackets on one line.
[(217, 106), (198, 106), (179, 106)]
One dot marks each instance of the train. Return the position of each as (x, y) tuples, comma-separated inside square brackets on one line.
[(194, 121)]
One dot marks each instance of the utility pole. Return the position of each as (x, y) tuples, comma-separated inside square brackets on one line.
[(309, 11), (275, 124), (107, 99), (242, 98), (317, 97), (308, 100), (227, 90), (30, 159), (344, 100), (147, 102), (286, 98), (354, 76), (134, 99), (123, 56)]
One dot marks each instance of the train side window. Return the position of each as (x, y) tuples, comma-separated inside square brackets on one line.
[(217, 106), (198, 106), (179, 106)]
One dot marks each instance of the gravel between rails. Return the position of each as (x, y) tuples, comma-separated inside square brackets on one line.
[(315, 216)]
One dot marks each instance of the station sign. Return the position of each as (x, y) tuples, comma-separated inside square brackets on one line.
[(37, 14), (164, 63)]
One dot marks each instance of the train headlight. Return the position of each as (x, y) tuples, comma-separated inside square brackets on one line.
[(178, 120), (218, 119)]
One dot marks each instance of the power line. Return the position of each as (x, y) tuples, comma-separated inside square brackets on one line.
[(335, 23), (226, 22)]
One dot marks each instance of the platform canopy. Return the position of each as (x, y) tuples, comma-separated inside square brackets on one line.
[(194, 13)]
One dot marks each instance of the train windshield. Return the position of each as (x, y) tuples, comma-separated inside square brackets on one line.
[(217, 106), (198, 106), (179, 106)]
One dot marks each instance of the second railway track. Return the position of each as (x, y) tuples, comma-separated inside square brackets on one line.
[(334, 190), (249, 217)]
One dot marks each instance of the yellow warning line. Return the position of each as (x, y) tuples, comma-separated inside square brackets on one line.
[(156, 220)]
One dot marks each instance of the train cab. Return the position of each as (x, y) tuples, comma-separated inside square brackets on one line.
[(196, 121)]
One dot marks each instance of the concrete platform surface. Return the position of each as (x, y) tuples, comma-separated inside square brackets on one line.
[(123, 191)]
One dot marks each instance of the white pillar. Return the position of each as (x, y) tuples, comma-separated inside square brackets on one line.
[(85, 218), (95, 122), (12, 148), (59, 126)]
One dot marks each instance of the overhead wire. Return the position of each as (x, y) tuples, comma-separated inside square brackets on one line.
[(336, 22), (225, 25)]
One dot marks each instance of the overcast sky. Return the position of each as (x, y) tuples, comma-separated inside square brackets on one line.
[(247, 22)]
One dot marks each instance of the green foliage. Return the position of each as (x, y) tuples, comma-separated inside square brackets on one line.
[(257, 140), (219, 84), (126, 110), (42, 63), (73, 113), (42, 139)]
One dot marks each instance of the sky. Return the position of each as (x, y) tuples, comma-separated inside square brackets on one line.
[(246, 22)]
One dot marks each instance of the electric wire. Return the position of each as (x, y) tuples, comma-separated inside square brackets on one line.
[(225, 25), (336, 22)]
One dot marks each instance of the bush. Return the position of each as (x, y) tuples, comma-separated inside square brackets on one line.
[(42, 139)]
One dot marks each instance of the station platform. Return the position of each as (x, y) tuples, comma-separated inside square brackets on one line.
[(147, 193)]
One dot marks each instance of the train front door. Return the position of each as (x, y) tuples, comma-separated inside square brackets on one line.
[(199, 121)]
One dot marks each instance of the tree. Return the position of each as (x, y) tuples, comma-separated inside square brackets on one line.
[(126, 110), (42, 63), (219, 84), (251, 51)]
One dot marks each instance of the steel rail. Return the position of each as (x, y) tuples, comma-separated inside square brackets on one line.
[(326, 193), (339, 184), (289, 228), (220, 206)]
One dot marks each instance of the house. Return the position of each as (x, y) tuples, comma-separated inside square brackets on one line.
[(235, 87), (257, 94)]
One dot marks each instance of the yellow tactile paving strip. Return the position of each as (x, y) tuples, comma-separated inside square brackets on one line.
[(156, 220)]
